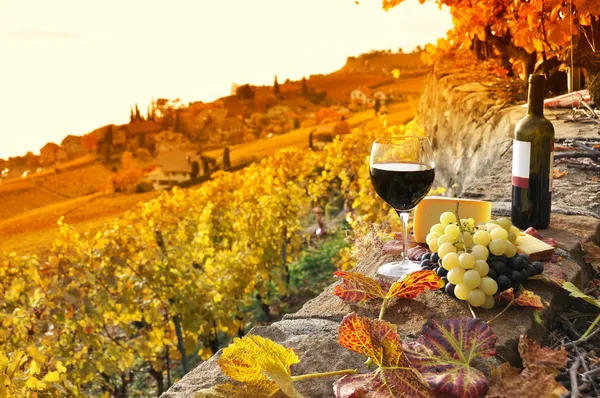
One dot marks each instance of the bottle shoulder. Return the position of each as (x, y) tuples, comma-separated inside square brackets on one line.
[(531, 123)]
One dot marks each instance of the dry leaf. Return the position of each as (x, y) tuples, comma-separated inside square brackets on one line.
[(592, 254), (543, 358), (556, 173)]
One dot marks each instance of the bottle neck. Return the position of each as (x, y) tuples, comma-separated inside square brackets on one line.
[(535, 99)]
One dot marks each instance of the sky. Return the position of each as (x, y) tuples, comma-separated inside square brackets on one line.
[(68, 67)]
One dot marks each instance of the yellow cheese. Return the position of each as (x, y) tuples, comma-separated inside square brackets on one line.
[(535, 248), (427, 213)]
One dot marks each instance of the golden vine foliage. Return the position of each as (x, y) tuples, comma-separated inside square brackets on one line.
[(162, 281)]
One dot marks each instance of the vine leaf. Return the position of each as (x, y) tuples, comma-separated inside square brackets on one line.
[(445, 350), (261, 364), (359, 288), (543, 358), (379, 340), (527, 384), (575, 292), (526, 298), (592, 254)]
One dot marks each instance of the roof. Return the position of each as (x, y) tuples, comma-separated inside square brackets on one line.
[(143, 127), (51, 146), (176, 161)]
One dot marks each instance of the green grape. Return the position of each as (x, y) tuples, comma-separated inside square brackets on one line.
[(447, 218), (497, 247), (492, 227), (445, 249), (482, 238), (512, 237), (433, 245), (499, 233), (489, 303), (476, 298), (439, 228), (452, 230), (467, 261), (505, 223), (471, 278), (511, 250), (480, 252), (515, 231), (459, 246), (445, 238), (481, 267), (491, 222), (455, 275), (488, 286), (467, 238), (450, 261), (471, 222), (461, 291), (432, 235)]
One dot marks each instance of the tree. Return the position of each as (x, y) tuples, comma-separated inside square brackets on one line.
[(226, 158), (138, 116), (131, 115), (276, 88), (377, 106), (195, 169), (245, 92), (304, 91)]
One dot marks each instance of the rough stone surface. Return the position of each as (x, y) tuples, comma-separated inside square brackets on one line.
[(472, 138)]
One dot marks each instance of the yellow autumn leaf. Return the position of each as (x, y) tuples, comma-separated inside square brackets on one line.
[(60, 367), (35, 384), (34, 367), (36, 354), (51, 377), (260, 363)]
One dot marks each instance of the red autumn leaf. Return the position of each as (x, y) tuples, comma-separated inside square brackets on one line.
[(445, 350), (526, 298), (527, 384), (378, 340), (358, 288), (544, 358), (414, 284)]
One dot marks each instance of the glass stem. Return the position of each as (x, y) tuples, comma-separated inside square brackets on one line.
[(404, 217)]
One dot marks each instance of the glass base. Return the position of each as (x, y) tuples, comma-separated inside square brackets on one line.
[(398, 269)]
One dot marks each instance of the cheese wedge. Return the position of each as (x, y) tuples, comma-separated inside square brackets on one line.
[(427, 213), (533, 247)]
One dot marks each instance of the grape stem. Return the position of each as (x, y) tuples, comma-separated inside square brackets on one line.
[(471, 309), (325, 374), (589, 330), (369, 361), (501, 312), (460, 227)]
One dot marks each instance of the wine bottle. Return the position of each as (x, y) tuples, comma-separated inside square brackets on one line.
[(533, 159)]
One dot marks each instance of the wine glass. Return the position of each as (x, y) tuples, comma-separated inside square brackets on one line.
[(402, 172)]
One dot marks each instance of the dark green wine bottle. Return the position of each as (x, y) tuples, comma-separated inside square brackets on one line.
[(533, 159)]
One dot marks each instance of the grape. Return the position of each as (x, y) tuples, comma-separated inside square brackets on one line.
[(519, 263), (503, 283), (501, 259), (492, 273), (492, 227), (499, 233), (445, 280), (503, 269), (471, 222), (515, 231), (450, 261), (433, 245), (441, 271), (480, 252), (505, 223), (439, 228), (511, 250), (491, 222), (530, 270), (432, 235), (461, 291), (539, 267), (488, 286), (445, 249), (467, 238), (517, 277), (467, 261), (426, 256), (489, 303), (447, 218), (525, 257), (481, 267), (512, 237), (426, 264), (455, 275), (444, 239), (450, 289), (481, 238), (497, 247), (472, 278), (476, 298), (452, 230), (459, 246)]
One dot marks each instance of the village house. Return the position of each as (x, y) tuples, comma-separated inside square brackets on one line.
[(73, 145), (361, 95), (232, 130), (173, 167), (52, 153), (141, 133), (167, 141), (381, 96)]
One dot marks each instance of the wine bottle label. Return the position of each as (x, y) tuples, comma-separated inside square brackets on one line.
[(551, 166), (520, 165)]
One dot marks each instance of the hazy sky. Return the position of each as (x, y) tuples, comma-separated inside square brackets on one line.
[(67, 67)]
